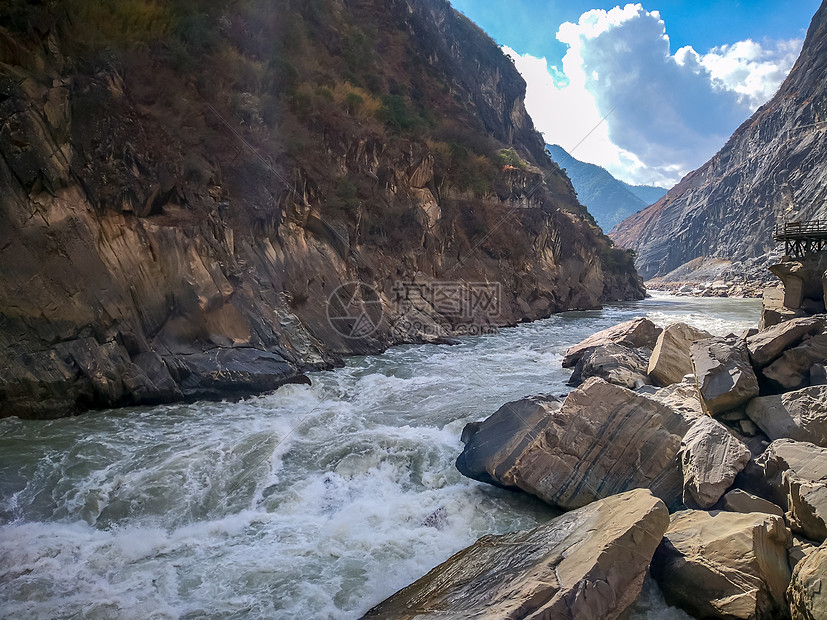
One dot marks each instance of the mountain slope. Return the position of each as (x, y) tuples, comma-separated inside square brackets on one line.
[(772, 169), (608, 199), (205, 200)]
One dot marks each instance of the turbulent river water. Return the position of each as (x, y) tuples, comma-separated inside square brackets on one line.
[(311, 502)]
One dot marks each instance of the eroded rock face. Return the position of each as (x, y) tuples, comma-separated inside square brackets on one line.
[(724, 374), (711, 457), (603, 440), (587, 563), (797, 475), (637, 333), (807, 592), (800, 415), (614, 363), (725, 564)]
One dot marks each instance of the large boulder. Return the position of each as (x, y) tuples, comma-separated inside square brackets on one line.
[(614, 363), (724, 374), (765, 346), (493, 445), (725, 564), (587, 563), (797, 476), (637, 333), (793, 369), (800, 415), (711, 457), (604, 440), (670, 361), (807, 593)]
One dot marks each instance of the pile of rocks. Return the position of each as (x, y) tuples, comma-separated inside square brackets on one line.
[(728, 434)]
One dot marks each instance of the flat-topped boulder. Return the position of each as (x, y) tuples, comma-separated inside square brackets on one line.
[(711, 457), (587, 563), (796, 472), (800, 415), (637, 333), (670, 360), (604, 440), (725, 564), (768, 344), (724, 374)]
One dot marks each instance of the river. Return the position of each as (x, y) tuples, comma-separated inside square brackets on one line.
[(311, 502)]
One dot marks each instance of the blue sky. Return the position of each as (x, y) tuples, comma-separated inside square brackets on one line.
[(675, 78)]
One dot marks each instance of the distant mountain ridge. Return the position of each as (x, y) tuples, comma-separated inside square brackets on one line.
[(771, 170), (608, 199)]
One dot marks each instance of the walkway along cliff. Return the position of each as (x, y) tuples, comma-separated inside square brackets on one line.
[(184, 190)]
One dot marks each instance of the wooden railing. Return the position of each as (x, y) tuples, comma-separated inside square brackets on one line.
[(798, 230)]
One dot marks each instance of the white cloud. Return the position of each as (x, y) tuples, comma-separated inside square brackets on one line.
[(664, 114)]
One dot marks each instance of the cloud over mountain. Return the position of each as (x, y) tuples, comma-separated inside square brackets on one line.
[(665, 113)]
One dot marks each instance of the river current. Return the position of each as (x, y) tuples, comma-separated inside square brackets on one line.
[(311, 502)]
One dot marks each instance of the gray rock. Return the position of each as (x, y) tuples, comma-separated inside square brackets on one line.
[(710, 459), (724, 374), (587, 563), (493, 445), (767, 345), (792, 370), (614, 363), (637, 333), (800, 415), (670, 360), (796, 473), (603, 440)]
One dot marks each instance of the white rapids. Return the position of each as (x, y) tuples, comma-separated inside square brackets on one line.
[(310, 502)]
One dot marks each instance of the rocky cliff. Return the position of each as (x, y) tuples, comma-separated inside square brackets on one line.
[(190, 193), (771, 170)]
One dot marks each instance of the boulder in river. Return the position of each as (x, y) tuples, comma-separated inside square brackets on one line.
[(807, 592), (639, 332), (604, 440), (800, 415), (587, 563), (797, 474), (725, 564), (614, 363), (670, 360), (711, 457), (493, 445), (725, 376)]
